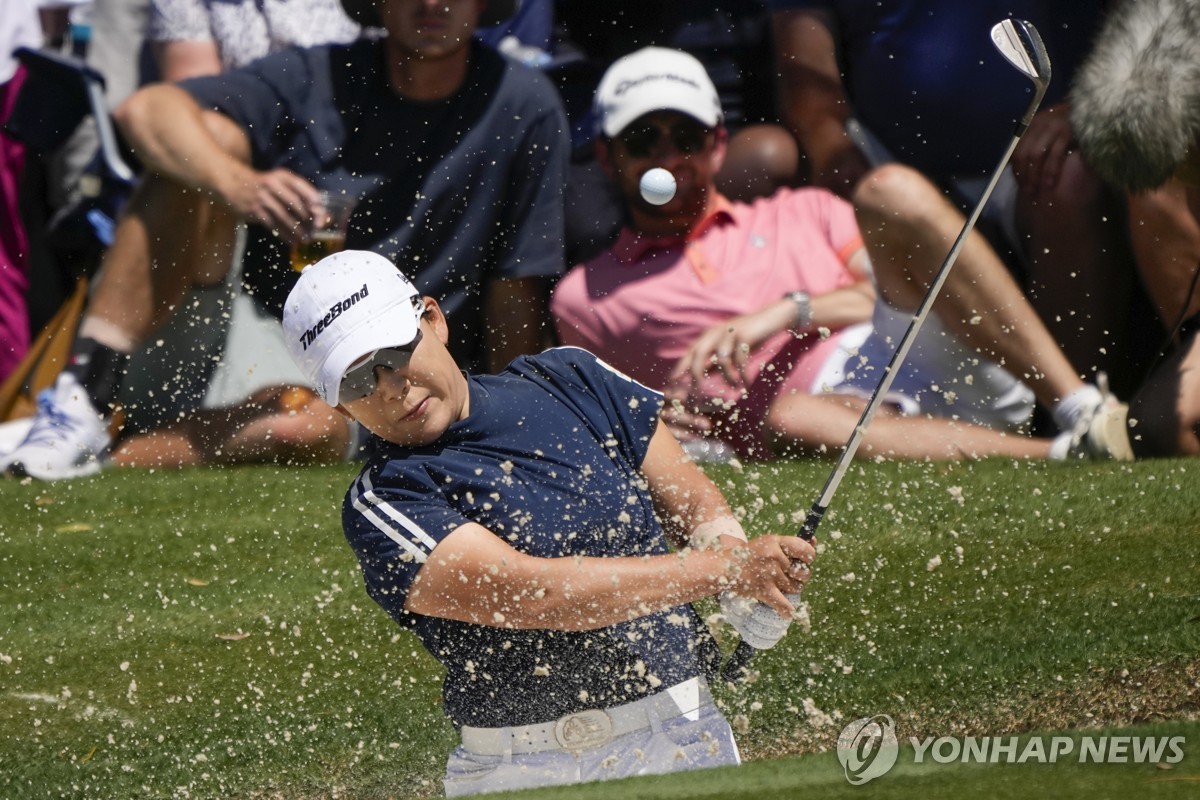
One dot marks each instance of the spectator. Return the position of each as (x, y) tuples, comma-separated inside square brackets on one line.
[(216, 384), (730, 37), (742, 312), (519, 525), (203, 37), (1135, 104), (456, 154), (916, 82)]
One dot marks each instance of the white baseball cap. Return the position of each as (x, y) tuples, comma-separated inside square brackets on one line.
[(344, 307), (655, 79)]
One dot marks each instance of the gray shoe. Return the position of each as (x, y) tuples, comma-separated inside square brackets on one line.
[(69, 438)]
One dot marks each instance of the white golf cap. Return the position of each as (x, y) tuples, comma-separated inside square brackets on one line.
[(655, 79), (344, 307)]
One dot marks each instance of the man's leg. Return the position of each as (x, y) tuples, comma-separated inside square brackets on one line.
[(821, 425), (761, 159), (909, 228), (281, 425), (167, 241), (1166, 238), (1082, 271), (1165, 230), (1167, 406)]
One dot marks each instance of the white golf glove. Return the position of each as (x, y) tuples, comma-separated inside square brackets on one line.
[(757, 623)]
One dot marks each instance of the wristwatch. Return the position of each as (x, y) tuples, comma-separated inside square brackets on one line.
[(803, 319)]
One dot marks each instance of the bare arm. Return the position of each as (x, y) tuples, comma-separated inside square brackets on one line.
[(812, 98), (205, 150), (727, 346), (474, 576), (182, 59), (684, 497)]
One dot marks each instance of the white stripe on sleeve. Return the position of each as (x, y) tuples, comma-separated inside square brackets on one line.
[(393, 524)]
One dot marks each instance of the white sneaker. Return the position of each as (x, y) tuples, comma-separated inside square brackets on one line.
[(68, 438)]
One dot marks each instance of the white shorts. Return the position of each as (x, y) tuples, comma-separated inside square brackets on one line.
[(694, 738), (940, 376)]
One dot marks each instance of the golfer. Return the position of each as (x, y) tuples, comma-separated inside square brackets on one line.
[(522, 526)]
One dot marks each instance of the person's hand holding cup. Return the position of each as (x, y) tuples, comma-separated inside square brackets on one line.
[(325, 232)]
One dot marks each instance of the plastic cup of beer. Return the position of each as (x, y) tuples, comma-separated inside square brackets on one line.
[(325, 233)]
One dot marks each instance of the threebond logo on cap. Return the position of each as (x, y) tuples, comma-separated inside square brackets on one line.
[(867, 748), (335, 311)]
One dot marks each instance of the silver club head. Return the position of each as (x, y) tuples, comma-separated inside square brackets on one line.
[(1021, 45), (1019, 42)]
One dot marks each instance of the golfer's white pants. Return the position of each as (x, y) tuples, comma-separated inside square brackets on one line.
[(673, 745)]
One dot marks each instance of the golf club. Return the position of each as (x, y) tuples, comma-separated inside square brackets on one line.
[(1021, 45)]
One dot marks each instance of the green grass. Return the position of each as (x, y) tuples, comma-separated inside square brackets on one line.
[(205, 634)]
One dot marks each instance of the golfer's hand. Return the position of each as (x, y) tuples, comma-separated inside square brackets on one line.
[(277, 199), (760, 626), (727, 346), (769, 575)]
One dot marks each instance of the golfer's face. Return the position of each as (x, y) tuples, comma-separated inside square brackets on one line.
[(414, 404), (430, 28)]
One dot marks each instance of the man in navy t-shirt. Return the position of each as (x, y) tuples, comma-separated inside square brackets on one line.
[(455, 154), (521, 525)]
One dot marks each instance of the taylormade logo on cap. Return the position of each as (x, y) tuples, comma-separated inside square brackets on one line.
[(335, 311), (626, 85), (655, 79)]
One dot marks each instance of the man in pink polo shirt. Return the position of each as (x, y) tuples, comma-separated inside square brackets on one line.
[(756, 319)]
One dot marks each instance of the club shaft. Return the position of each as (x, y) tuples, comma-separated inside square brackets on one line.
[(809, 528), (743, 654)]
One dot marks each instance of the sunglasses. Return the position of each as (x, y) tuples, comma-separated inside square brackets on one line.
[(687, 138), (359, 380)]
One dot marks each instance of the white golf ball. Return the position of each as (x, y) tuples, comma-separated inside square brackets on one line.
[(658, 186)]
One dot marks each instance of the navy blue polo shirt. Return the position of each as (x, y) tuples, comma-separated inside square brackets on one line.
[(548, 459), (456, 192)]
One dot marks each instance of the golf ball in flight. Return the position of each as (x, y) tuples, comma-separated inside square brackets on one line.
[(658, 186)]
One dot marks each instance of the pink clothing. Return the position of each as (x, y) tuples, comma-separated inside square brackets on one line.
[(14, 247), (640, 304)]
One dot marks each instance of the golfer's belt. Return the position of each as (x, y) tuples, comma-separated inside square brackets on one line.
[(592, 727)]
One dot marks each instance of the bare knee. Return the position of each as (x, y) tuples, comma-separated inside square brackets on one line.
[(895, 191)]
